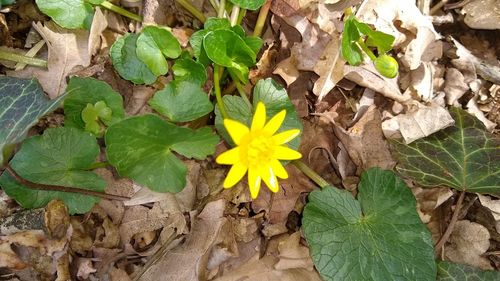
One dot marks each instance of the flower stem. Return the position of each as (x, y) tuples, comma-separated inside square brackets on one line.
[(222, 7), (119, 10), (235, 15), (4, 55), (261, 20), (365, 49), (311, 173), (192, 9), (218, 95)]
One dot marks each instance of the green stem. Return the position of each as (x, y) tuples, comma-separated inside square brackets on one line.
[(214, 5), (242, 14), (119, 10), (193, 10), (235, 15), (365, 49), (4, 55), (222, 7), (311, 173), (218, 94), (261, 20), (242, 93), (97, 165)]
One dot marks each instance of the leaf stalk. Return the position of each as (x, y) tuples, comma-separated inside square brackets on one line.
[(119, 10), (193, 10), (4, 55), (310, 173), (218, 95), (261, 20)]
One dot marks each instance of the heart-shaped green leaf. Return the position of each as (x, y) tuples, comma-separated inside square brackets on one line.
[(249, 4), (23, 102), (196, 40), (71, 14), (189, 70), (129, 66), (93, 115), (350, 51), (84, 91), (273, 96), (448, 271), (378, 237), (141, 148), (154, 44), (61, 156), (181, 101), (464, 156)]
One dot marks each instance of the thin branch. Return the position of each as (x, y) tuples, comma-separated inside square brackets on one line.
[(451, 225), (49, 187)]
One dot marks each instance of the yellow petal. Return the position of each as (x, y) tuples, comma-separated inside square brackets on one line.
[(275, 123), (270, 179), (285, 153), (229, 157), (259, 117), (254, 182), (285, 136), (237, 172), (278, 169), (236, 130)]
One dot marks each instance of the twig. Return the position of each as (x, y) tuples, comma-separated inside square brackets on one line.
[(49, 187), (452, 223)]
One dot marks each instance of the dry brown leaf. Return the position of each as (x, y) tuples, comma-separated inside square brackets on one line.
[(421, 84), (287, 70), (330, 68), (293, 255), (428, 199), (468, 242), (84, 267), (454, 86), (473, 109), (482, 14), (365, 141), (422, 122), (494, 206)]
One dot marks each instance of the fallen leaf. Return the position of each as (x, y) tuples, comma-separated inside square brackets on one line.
[(287, 70), (482, 14), (330, 68), (84, 267), (417, 124), (454, 86), (421, 84), (473, 109), (468, 242), (293, 255)]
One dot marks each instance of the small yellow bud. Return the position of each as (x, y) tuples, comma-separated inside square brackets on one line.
[(387, 66)]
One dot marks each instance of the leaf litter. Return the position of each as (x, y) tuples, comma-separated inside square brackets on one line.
[(350, 114)]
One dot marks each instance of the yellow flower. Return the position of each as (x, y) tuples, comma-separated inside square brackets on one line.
[(258, 151)]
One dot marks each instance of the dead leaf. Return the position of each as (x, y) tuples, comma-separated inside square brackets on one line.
[(330, 68), (287, 70), (429, 199), (84, 268), (422, 122), (421, 84), (473, 109), (293, 255), (482, 14), (468, 242), (454, 86)]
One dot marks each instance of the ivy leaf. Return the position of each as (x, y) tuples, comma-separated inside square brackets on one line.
[(84, 91), (465, 157), (350, 51), (448, 271), (153, 45), (23, 102), (177, 100), (141, 148), (226, 48), (125, 60), (378, 237), (189, 70), (71, 14), (273, 96), (59, 157), (249, 4)]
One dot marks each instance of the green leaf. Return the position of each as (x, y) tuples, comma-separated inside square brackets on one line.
[(196, 40), (58, 157), (189, 70), (382, 41), (182, 101), (378, 237), (274, 97), (95, 2), (84, 91), (6, 2), (255, 43), (71, 14), (141, 148), (125, 60), (448, 271), (349, 50), (249, 4), (153, 45), (23, 102), (465, 157), (212, 24), (226, 48), (93, 114)]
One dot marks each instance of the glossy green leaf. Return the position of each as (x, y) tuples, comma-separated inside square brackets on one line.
[(448, 271), (196, 40), (274, 97), (22, 103), (61, 156), (182, 101), (154, 44), (226, 48), (378, 237), (189, 70), (95, 114), (84, 91), (381, 40), (141, 148), (464, 156), (212, 24), (127, 64), (349, 50), (249, 4), (255, 43), (72, 14)]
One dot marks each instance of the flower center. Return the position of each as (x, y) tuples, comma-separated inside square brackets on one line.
[(260, 149)]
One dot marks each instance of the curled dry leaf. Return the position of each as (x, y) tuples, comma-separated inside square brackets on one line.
[(468, 242), (454, 86), (473, 109), (494, 206), (330, 68), (482, 14)]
